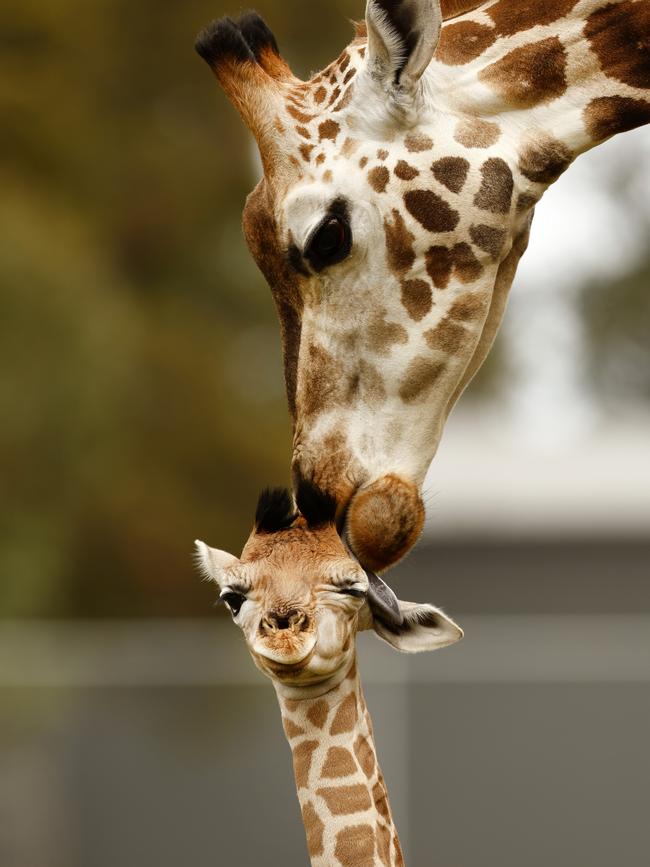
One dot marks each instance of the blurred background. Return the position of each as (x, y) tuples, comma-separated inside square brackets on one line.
[(142, 405)]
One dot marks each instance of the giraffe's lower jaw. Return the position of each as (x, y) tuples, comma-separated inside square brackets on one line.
[(287, 660)]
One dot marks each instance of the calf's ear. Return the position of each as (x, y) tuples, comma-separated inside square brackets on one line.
[(212, 562), (423, 627)]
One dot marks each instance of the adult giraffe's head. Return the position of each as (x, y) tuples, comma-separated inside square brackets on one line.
[(300, 598), (396, 200)]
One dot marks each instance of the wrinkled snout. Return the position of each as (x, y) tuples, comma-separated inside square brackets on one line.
[(286, 635)]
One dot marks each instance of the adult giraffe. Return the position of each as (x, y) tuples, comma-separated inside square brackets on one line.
[(399, 187)]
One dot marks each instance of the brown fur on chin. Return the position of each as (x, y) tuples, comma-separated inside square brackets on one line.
[(384, 521)]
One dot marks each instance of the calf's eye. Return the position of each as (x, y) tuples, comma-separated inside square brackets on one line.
[(234, 601)]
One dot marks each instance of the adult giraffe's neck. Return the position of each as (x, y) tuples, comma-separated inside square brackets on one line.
[(340, 786), (574, 70)]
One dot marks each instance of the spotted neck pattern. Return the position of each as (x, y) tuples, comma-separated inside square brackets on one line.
[(340, 786)]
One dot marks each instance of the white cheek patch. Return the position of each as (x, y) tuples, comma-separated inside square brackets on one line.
[(304, 209), (306, 206), (330, 639)]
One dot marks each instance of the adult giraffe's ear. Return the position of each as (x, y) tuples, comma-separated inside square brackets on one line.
[(402, 39), (212, 562), (423, 627)]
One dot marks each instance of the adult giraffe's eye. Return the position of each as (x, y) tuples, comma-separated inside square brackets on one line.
[(330, 243), (234, 601)]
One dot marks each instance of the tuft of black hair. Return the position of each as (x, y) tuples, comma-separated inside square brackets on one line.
[(257, 34), (316, 507), (275, 511), (222, 39)]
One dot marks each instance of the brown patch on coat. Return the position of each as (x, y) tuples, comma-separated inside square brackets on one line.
[(511, 18), (306, 151), (335, 95), (317, 713), (349, 75), (363, 162), (431, 211), (488, 239), (468, 307), (420, 378), (333, 470), (320, 94), (382, 154), (529, 75), (345, 800), (619, 34), (320, 159), (448, 336), (525, 201), (475, 133), (451, 172), (346, 716), (460, 260), (322, 389), (314, 829), (383, 843), (378, 178), (369, 384), (365, 755), (329, 129), (495, 193), (417, 298), (302, 131), (606, 116), (399, 244), (543, 159), (344, 61), (345, 100), (339, 762), (302, 756), (291, 730), (383, 335), (405, 172), (350, 146), (417, 142), (355, 846), (463, 42), (299, 115), (380, 799)]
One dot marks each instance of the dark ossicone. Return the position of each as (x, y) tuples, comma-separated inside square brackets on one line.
[(222, 40), (257, 34), (240, 40), (275, 511), (316, 507)]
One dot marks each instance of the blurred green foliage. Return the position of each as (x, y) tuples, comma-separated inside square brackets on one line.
[(141, 393)]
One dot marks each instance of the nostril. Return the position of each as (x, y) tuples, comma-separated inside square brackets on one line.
[(297, 621)]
